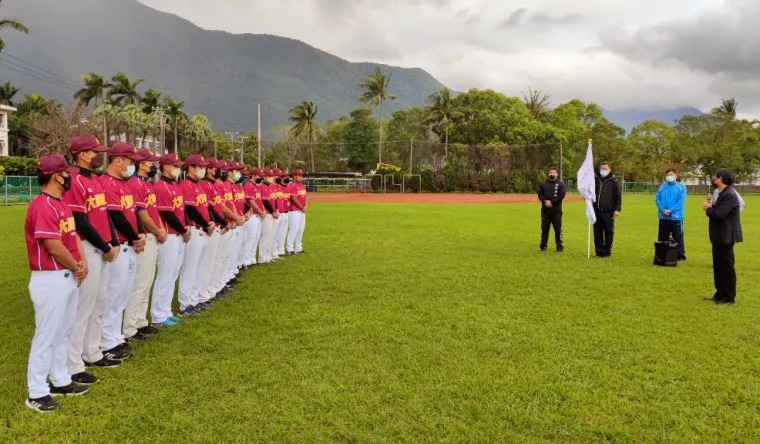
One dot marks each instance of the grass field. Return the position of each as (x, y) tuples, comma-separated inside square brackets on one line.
[(407, 323)]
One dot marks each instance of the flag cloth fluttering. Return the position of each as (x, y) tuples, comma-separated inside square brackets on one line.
[(587, 184)]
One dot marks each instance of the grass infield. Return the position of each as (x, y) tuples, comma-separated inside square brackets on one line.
[(425, 322)]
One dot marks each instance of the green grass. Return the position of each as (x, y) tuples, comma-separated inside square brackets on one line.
[(430, 323)]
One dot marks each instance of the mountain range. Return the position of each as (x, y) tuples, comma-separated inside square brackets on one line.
[(215, 73)]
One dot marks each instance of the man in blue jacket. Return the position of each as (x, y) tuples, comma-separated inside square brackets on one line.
[(671, 202)]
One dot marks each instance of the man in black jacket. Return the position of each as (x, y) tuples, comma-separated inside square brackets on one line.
[(609, 201), (725, 231), (551, 193)]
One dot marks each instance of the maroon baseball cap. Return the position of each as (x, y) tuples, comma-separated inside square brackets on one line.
[(146, 154), (225, 166), (269, 172), (257, 172), (235, 166), (86, 142), (196, 160), (212, 162), (170, 159), (53, 163), (220, 164), (284, 173), (298, 172), (124, 149), (277, 172)]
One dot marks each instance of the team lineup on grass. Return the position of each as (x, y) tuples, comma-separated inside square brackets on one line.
[(97, 244)]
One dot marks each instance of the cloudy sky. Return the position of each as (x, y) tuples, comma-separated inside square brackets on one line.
[(621, 54)]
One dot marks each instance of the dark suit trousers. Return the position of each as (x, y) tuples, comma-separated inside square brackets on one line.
[(551, 217), (604, 233), (674, 229), (724, 273)]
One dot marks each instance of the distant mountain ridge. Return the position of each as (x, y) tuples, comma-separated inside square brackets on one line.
[(629, 118), (216, 73)]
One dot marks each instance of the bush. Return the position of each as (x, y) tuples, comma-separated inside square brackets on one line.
[(19, 166)]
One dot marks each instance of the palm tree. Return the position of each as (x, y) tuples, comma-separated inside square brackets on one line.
[(175, 113), (375, 93), (537, 103), (304, 118), (150, 100), (94, 89), (123, 91), (727, 108), (442, 111), (7, 91), (11, 23)]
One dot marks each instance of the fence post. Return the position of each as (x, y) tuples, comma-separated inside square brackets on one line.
[(30, 187), (6, 189)]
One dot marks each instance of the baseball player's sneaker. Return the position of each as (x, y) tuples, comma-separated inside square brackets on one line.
[(149, 330), (188, 312), (69, 390), (175, 319), (168, 323), (104, 363), (46, 404), (137, 337), (117, 354), (85, 378)]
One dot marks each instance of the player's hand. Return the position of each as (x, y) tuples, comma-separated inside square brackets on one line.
[(81, 272), (210, 228), (161, 236), (303, 210), (186, 236), (666, 213), (112, 254), (276, 214), (616, 214), (708, 204), (548, 203)]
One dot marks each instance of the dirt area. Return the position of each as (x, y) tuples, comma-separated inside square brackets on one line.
[(430, 198)]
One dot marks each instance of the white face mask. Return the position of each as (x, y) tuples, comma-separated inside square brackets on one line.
[(670, 179), (175, 172), (236, 175), (130, 172), (200, 172), (604, 173)]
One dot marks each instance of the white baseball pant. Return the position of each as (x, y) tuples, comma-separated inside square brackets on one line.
[(282, 232), (273, 242), (136, 313), (189, 275), (121, 279), (84, 343), (54, 295), (170, 255), (253, 240), (297, 222), (220, 267), (267, 236), (242, 240), (234, 251), (211, 256)]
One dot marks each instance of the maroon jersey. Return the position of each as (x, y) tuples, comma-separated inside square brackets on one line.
[(88, 196), (119, 198), (49, 218)]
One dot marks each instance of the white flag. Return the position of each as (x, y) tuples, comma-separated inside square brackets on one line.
[(587, 184)]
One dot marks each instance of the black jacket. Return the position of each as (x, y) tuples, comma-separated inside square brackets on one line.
[(553, 191), (609, 197), (725, 224)]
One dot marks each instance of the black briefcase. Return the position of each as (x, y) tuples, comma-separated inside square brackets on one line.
[(666, 254)]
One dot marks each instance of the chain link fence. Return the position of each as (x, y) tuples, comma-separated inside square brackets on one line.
[(18, 190)]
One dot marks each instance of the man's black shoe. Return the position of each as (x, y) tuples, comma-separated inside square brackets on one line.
[(46, 404), (722, 302), (124, 346), (560, 249), (117, 354), (149, 330), (712, 299), (69, 390), (188, 312), (85, 378), (137, 337), (542, 248), (104, 363)]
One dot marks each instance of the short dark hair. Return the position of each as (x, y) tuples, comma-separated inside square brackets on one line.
[(604, 163), (43, 179), (553, 169), (670, 170), (726, 176)]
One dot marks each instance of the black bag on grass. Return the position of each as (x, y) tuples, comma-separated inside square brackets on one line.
[(666, 254)]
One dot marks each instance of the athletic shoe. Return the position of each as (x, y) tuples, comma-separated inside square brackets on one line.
[(104, 363), (149, 330), (291, 253), (117, 354), (85, 378), (137, 337), (168, 323), (722, 302), (188, 312), (124, 346), (560, 249), (46, 404), (69, 390), (543, 249), (175, 319)]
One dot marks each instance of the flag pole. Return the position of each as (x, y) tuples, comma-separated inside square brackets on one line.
[(588, 238)]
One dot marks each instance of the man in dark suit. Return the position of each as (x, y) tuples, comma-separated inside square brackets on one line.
[(725, 231)]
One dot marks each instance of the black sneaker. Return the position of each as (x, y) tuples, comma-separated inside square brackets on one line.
[(543, 249), (46, 404), (104, 363), (137, 337), (188, 312), (117, 354), (85, 378), (69, 390), (124, 346), (149, 330), (560, 249)]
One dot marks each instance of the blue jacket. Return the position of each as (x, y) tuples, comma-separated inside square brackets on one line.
[(671, 196)]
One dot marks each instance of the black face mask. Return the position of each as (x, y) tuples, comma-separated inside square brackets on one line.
[(259, 180), (552, 177), (152, 172), (66, 183), (278, 180), (97, 161), (224, 175), (287, 181)]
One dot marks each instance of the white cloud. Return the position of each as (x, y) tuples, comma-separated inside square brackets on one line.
[(591, 49)]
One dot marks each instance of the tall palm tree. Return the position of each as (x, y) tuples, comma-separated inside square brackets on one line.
[(537, 103), (11, 23), (7, 91), (375, 93), (176, 115), (150, 100), (442, 111), (123, 91), (727, 108), (304, 118), (94, 89)]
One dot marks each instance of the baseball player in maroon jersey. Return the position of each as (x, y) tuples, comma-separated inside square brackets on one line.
[(267, 225), (171, 207), (121, 274), (87, 201), (297, 218), (58, 267), (227, 208), (253, 226), (275, 196), (196, 209), (236, 170), (136, 324), (210, 286), (284, 207), (231, 246)]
